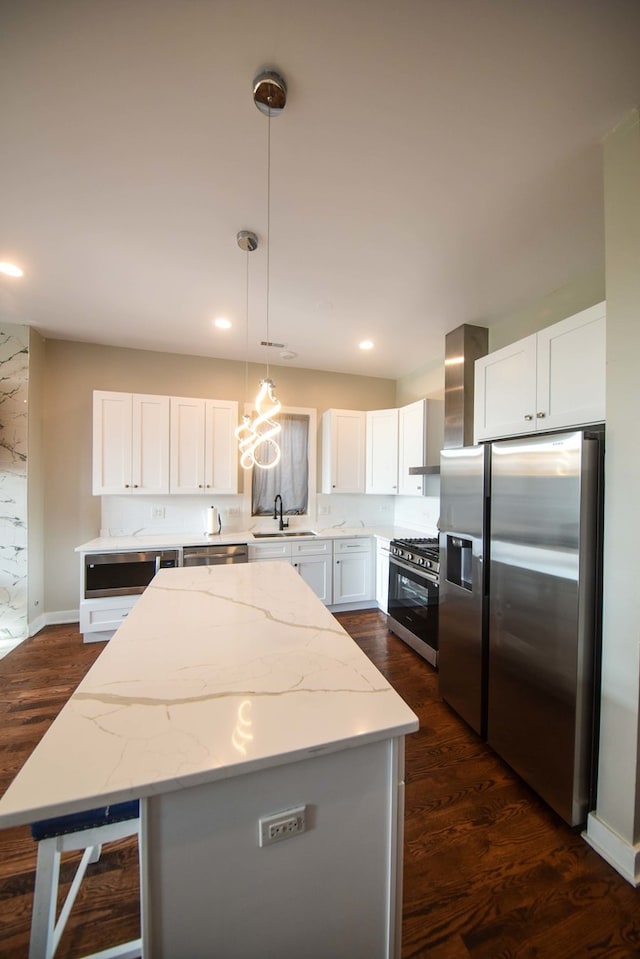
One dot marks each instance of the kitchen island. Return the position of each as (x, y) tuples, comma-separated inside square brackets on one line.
[(238, 710)]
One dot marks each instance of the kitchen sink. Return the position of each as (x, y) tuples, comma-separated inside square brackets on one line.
[(285, 532)]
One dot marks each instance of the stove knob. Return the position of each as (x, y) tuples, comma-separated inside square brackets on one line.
[(410, 557)]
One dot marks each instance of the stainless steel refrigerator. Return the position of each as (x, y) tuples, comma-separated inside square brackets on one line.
[(463, 607), (535, 592)]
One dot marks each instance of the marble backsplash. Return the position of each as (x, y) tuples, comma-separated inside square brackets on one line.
[(14, 382), (139, 515)]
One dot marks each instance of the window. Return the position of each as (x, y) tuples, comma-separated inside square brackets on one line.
[(294, 476)]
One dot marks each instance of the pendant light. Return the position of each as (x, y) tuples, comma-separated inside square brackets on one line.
[(257, 439)]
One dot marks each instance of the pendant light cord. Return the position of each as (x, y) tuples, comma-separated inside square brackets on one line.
[(268, 220), (246, 328)]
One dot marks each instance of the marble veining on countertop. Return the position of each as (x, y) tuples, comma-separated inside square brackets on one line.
[(173, 540), (217, 671)]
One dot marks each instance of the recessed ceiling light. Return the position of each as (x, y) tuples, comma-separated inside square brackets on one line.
[(10, 269), (366, 345), (222, 323)]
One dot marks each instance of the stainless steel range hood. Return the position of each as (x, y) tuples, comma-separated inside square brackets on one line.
[(463, 346)]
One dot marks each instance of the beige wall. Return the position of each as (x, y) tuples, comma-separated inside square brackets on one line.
[(581, 293), (577, 295), (74, 370), (618, 802)]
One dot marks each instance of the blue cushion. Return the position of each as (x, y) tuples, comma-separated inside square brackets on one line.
[(87, 819)]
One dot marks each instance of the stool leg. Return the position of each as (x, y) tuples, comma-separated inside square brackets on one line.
[(96, 852), (45, 894)]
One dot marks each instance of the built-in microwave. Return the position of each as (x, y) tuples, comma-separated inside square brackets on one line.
[(126, 573)]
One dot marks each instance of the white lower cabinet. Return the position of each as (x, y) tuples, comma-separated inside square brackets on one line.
[(352, 578), (313, 560), (99, 618), (382, 573), (311, 557), (339, 571), (316, 572)]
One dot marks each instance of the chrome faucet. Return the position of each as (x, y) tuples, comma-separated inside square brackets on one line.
[(281, 525)]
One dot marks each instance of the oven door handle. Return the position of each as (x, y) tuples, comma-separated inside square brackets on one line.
[(418, 570)]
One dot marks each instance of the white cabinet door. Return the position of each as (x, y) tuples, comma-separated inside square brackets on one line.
[(382, 575), (187, 445), (343, 451), (505, 391), (352, 579), (571, 371), (412, 446), (221, 460), (316, 572), (203, 452), (150, 444), (112, 429), (382, 452), (130, 443)]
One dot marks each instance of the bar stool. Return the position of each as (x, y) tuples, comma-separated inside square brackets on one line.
[(84, 830)]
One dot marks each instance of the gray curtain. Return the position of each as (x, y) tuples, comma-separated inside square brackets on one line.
[(290, 477)]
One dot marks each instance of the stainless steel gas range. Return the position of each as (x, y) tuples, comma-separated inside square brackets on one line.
[(414, 577)]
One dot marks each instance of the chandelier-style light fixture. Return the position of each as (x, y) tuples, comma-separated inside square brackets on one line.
[(257, 438)]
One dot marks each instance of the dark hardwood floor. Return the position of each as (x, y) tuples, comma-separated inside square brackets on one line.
[(490, 871)]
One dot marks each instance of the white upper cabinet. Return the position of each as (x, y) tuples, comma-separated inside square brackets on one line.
[(130, 443), (203, 451), (412, 446), (549, 380), (382, 452), (343, 451), (396, 440), (571, 372)]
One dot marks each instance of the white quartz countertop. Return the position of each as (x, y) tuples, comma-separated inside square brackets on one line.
[(144, 540), (218, 671)]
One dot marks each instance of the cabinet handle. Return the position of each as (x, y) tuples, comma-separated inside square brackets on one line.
[(200, 486), (541, 416), (126, 486), (528, 416), (296, 565), (337, 562), (135, 485), (333, 486)]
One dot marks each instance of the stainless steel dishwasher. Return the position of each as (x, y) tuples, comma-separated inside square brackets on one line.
[(218, 554)]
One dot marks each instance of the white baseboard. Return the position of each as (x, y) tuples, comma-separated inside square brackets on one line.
[(615, 850), (57, 618), (37, 624)]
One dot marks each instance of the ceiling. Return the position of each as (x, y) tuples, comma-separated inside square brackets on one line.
[(438, 162)]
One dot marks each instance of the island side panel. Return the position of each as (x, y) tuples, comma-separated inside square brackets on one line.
[(334, 890)]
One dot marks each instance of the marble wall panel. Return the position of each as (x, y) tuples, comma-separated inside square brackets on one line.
[(14, 382)]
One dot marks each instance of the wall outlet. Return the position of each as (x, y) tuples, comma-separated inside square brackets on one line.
[(157, 512), (323, 510), (233, 511), (282, 825)]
